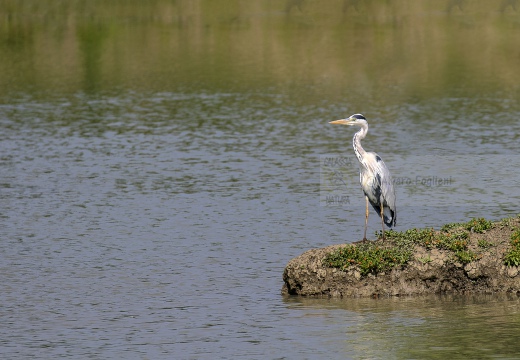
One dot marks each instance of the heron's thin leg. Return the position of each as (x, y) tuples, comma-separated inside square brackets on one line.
[(366, 220), (382, 223)]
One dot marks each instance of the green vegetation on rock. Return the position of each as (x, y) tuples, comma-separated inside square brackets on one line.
[(369, 257), (476, 225), (397, 248)]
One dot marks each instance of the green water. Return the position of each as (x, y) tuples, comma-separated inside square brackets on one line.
[(385, 52)]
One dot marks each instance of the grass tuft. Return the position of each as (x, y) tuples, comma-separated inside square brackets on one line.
[(512, 258), (465, 256), (484, 244)]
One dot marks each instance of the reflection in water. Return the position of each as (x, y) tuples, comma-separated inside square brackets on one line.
[(90, 40), (421, 328), (373, 54)]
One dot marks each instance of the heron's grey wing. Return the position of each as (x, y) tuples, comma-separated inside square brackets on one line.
[(382, 175), (388, 188)]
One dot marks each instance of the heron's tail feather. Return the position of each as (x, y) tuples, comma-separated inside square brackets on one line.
[(389, 217)]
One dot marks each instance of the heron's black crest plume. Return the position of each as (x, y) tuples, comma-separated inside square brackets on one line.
[(359, 116)]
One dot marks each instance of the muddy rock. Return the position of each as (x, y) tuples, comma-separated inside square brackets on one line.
[(429, 271)]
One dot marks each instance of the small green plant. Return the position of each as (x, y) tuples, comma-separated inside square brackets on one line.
[(479, 225), (484, 244), (465, 256), (512, 258), (454, 241), (450, 226), (425, 260), (515, 237), (506, 222)]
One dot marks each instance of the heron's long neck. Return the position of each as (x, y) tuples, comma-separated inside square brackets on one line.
[(356, 142)]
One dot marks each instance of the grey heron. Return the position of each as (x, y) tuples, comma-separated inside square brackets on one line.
[(374, 176)]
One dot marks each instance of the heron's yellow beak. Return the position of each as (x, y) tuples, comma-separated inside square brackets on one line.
[(341, 122)]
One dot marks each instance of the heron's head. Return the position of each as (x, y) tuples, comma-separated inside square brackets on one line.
[(356, 119)]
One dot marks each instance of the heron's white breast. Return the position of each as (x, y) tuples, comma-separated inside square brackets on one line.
[(366, 179)]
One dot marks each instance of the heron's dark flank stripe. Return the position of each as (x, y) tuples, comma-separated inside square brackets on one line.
[(378, 158), (377, 187)]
